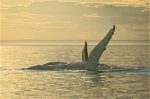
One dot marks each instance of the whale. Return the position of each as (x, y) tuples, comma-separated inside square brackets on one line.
[(89, 62)]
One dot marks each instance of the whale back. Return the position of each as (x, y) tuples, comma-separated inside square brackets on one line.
[(77, 66), (93, 60)]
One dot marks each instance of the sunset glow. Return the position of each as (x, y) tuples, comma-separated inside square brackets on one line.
[(74, 19)]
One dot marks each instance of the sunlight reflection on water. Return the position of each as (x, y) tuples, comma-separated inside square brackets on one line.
[(30, 84)]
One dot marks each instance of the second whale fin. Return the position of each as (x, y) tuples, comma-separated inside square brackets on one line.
[(85, 52)]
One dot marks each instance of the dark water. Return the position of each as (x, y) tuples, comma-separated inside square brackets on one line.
[(132, 82)]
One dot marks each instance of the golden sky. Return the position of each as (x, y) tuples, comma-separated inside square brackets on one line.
[(74, 19)]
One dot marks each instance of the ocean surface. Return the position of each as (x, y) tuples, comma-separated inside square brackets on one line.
[(132, 82)]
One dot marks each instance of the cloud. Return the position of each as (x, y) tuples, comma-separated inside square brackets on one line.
[(91, 15), (48, 17)]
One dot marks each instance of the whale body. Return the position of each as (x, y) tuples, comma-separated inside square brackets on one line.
[(53, 66), (90, 63)]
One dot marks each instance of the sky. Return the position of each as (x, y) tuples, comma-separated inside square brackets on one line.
[(74, 19)]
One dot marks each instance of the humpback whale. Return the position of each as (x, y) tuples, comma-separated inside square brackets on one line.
[(90, 63)]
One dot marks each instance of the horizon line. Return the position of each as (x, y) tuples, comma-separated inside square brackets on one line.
[(64, 42), (72, 40)]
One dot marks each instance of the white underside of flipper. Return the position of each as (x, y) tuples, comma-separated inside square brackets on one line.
[(93, 59)]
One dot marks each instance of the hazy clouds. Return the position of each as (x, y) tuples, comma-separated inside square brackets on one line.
[(74, 19)]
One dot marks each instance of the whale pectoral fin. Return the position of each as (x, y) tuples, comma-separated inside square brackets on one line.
[(85, 53), (96, 53)]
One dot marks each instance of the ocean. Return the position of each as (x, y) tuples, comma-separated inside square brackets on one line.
[(130, 83)]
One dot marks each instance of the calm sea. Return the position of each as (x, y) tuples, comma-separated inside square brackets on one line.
[(132, 83)]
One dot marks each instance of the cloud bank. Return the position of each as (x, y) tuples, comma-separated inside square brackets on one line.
[(74, 19)]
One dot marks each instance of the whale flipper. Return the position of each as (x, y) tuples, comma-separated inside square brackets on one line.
[(85, 53), (93, 60)]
